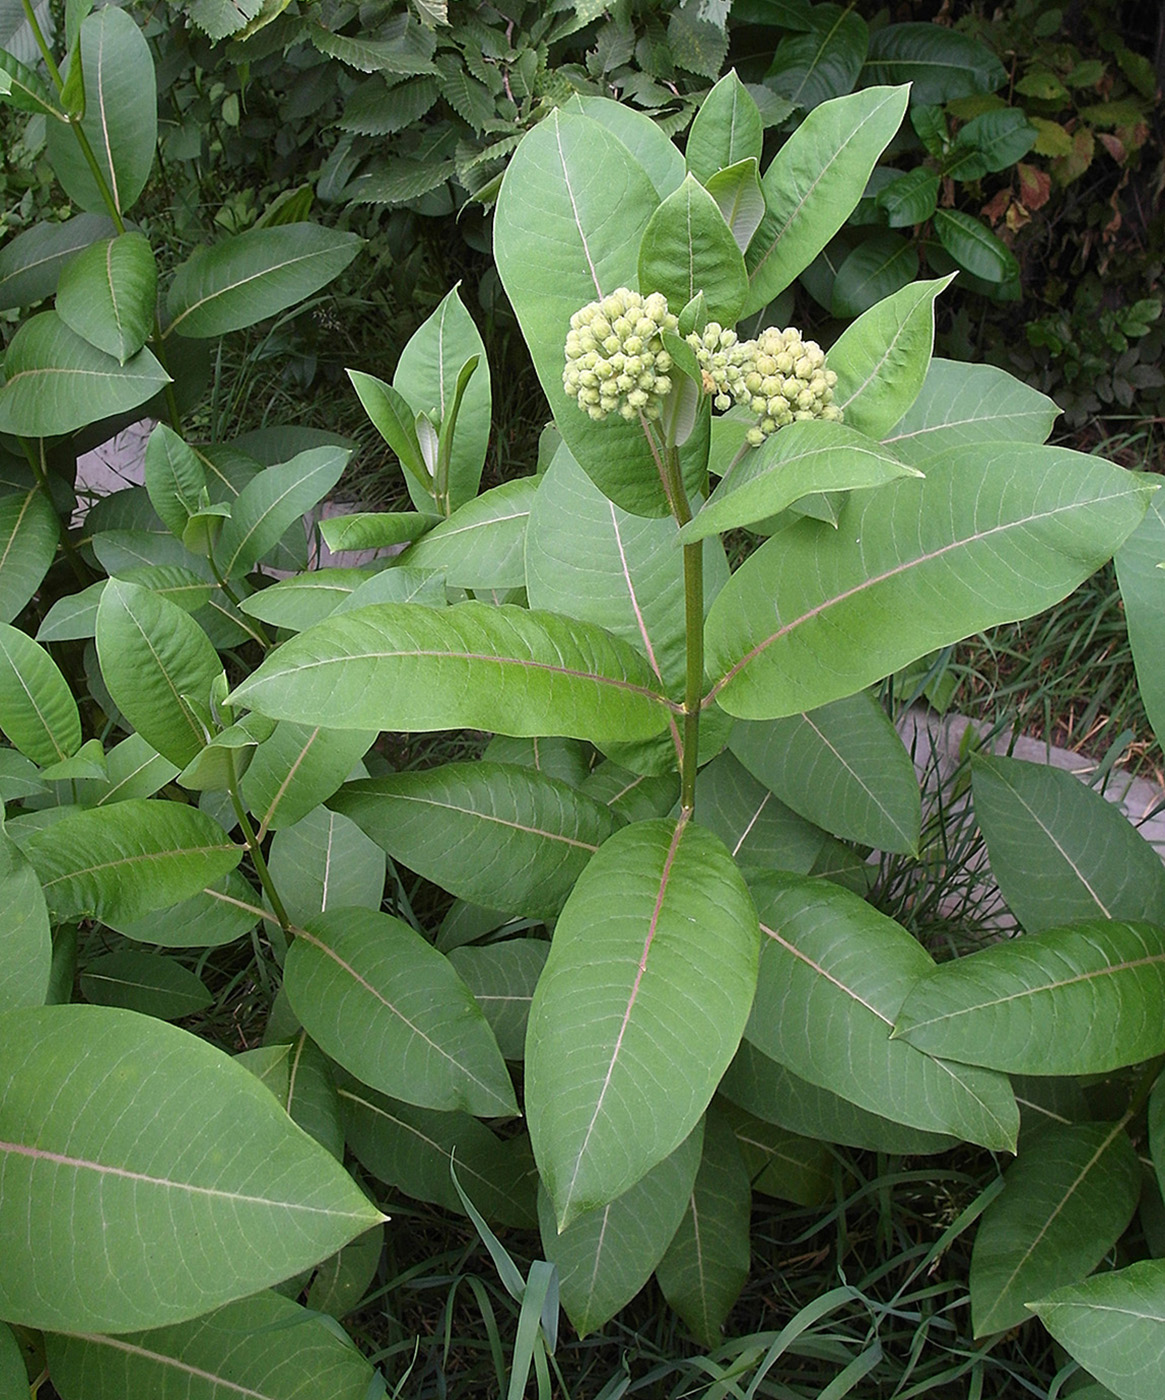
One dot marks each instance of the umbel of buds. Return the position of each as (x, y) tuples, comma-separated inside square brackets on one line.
[(615, 360)]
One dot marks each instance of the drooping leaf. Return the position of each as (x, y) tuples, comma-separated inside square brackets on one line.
[(1061, 852), (740, 197), (503, 669), (371, 530), (37, 709), (31, 263), (186, 1182), (387, 1006), (940, 63), (29, 530), (639, 1010), (607, 1255), (502, 977), (325, 862), (758, 829), (24, 931), (834, 974), (107, 294), (1142, 586), (299, 767), (1113, 1325), (253, 275), (482, 544), (121, 116), (842, 767), (1079, 1000), (1065, 1202), (144, 982), (262, 1346), (813, 183), (995, 532), (157, 663), (57, 382), (687, 247), (726, 129), (492, 833), (122, 861)]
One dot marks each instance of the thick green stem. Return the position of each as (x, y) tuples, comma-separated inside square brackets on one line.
[(256, 853), (693, 629), (34, 455), (42, 43)]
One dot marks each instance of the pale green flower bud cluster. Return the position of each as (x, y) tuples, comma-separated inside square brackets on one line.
[(779, 377), (615, 360)]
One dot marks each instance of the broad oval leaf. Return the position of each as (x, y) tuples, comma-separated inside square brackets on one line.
[(492, 833), (370, 530), (482, 544), (639, 1010), (643, 137), (156, 661), (940, 63), (300, 1076), (758, 829), (974, 247), (809, 68), (1061, 852), (228, 908), (37, 709), (107, 294), (122, 861), (297, 602), (842, 767), (607, 1255), (834, 974), (253, 275), (29, 530), (121, 116), (24, 931), (740, 198), (407, 666), (389, 1008), (814, 182), (299, 767), (880, 266), (801, 459), (1079, 1000), (502, 977), (186, 1184), (727, 129), (1065, 1202), (31, 263), (1142, 586), (56, 382), (995, 532), (175, 478), (145, 982), (325, 862), (1114, 1324), (263, 1347), (687, 248)]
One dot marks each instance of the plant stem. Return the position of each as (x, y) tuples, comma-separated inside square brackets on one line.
[(693, 631), (42, 43), (84, 578), (1144, 1087), (256, 852)]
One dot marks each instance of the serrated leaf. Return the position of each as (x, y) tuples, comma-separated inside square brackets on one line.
[(107, 293), (375, 109), (245, 1198), (470, 99), (387, 1006), (407, 666), (402, 54), (37, 709), (616, 1076), (219, 19)]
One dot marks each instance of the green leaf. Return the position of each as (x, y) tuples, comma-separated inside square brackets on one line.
[(132, 769), (185, 1180), (687, 247), (740, 198), (325, 862), (960, 404), (796, 462), (644, 138), (558, 247), (122, 861), (939, 63), (492, 833), (834, 974), (842, 767), (22, 87), (975, 247), (121, 116), (37, 709), (387, 1006), (370, 530), (297, 602), (218, 19), (57, 382), (811, 68), (878, 267), (341, 1282), (780, 1163), (1061, 852), (911, 199), (13, 1375), (407, 666), (156, 661), (706, 1264), (426, 376), (30, 263), (272, 503), (394, 419), (29, 529), (226, 909), (254, 275), (145, 982), (881, 360), (266, 1345), (174, 478), (994, 533), (412, 1149), (1065, 1203), (300, 1077), (502, 977), (1112, 1324), (990, 141), (589, 559), (401, 54), (24, 931), (482, 544), (606, 1256), (758, 829), (813, 184), (639, 1011), (1007, 1006), (727, 129), (87, 764), (107, 294), (299, 767), (775, 1094), (1142, 586)]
